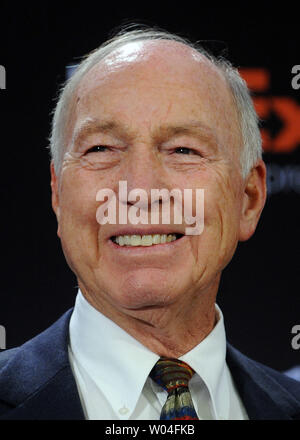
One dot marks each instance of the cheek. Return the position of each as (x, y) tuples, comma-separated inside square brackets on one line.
[(221, 221), (227, 206), (78, 227), (224, 195), (78, 199)]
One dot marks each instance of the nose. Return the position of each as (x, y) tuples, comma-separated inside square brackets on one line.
[(144, 170)]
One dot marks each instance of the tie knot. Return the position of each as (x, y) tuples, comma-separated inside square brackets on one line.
[(171, 373)]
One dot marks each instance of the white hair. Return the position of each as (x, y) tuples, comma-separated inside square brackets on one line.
[(248, 120)]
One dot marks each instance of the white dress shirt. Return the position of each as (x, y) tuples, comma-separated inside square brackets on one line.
[(111, 370)]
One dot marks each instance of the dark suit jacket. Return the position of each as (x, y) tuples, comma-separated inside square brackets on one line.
[(36, 382)]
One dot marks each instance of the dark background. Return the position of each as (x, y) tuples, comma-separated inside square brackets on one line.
[(259, 293)]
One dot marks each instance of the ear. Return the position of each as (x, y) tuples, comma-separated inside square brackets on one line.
[(254, 198), (55, 194)]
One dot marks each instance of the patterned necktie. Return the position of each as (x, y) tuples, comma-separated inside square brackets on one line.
[(174, 375)]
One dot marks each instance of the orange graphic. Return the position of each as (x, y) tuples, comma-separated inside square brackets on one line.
[(285, 108)]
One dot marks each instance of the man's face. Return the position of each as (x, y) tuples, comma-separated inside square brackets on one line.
[(156, 115)]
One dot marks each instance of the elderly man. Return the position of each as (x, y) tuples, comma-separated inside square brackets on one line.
[(146, 339)]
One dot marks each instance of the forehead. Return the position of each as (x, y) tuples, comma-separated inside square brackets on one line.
[(161, 73), (153, 60)]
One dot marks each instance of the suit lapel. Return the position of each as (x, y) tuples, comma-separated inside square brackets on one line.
[(56, 400), (263, 396), (37, 383)]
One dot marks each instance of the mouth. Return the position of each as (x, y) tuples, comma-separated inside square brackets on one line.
[(135, 240)]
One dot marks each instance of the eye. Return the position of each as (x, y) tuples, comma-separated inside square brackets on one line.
[(183, 150), (97, 148)]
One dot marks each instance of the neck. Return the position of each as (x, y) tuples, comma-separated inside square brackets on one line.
[(170, 330)]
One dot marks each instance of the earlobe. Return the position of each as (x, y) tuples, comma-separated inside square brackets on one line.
[(55, 194), (253, 200)]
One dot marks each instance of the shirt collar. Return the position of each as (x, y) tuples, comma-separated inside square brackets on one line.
[(109, 354), (208, 359)]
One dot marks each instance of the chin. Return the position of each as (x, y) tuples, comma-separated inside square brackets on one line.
[(138, 293)]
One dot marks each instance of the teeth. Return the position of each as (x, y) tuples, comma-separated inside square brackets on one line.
[(126, 240), (156, 239), (163, 238), (143, 240), (135, 240), (146, 240)]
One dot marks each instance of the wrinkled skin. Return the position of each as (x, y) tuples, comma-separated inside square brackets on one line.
[(130, 103)]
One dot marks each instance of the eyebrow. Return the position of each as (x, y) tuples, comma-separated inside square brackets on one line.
[(91, 126), (197, 128)]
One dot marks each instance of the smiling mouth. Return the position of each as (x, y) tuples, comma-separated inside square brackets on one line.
[(145, 240)]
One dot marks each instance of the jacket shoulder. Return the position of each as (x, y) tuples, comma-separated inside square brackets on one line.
[(289, 383), (36, 381), (266, 393), (6, 356)]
